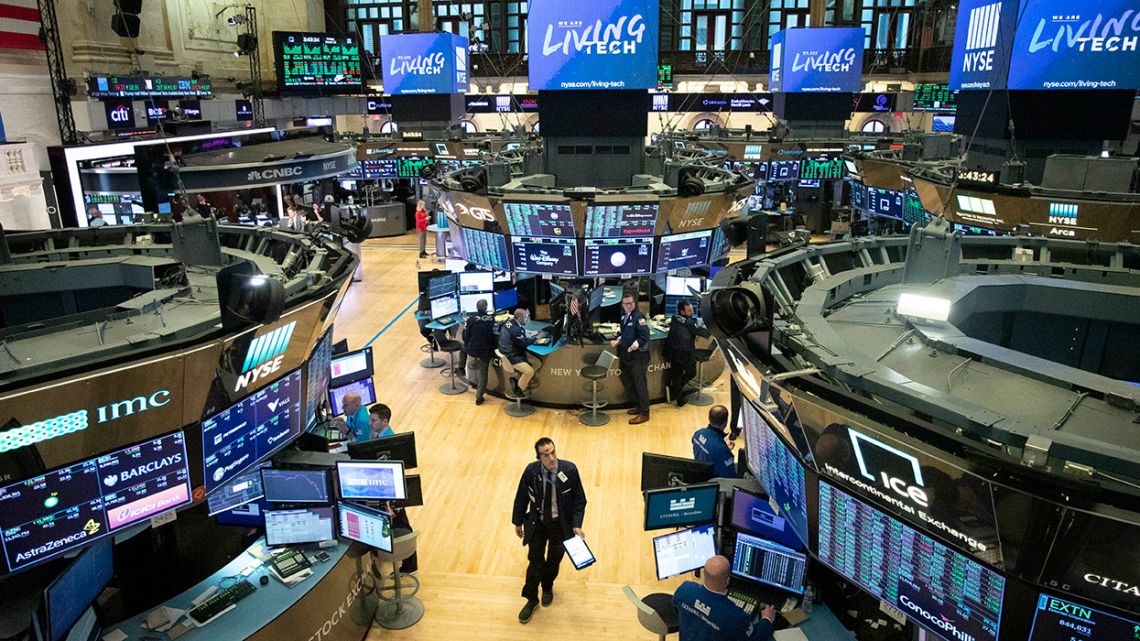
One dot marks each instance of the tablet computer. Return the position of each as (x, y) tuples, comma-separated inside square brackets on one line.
[(580, 554)]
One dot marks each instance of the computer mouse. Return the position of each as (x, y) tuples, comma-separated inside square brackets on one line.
[(264, 580)]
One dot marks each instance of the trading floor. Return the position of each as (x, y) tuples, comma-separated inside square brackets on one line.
[(471, 564)]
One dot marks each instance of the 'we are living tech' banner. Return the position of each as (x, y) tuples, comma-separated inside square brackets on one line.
[(594, 44), (826, 60), (424, 63), (1046, 44)]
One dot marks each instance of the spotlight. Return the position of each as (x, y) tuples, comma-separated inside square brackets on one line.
[(246, 43), (235, 20)]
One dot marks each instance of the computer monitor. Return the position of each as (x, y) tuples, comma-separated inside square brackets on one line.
[(251, 514), (673, 302), (472, 282), (680, 286), (350, 366), (444, 306), (469, 303), (443, 285), (295, 485), (365, 388), (236, 492), (680, 506), (371, 527), (680, 251), (415, 491), (455, 265), (506, 299), (72, 592), (770, 563), (751, 513), (294, 527), (683, 551), (616, 256), (659, 470), (397, 447), (372, 480)]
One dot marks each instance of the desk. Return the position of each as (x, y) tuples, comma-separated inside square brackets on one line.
[(334, 604), (823, 626)]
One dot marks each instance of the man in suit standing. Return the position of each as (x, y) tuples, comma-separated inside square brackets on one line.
[(681, 350), (550, 505), (632, 347)]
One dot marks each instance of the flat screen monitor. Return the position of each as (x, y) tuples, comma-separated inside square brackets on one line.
[(61, 510), (251, 514), (486, 248), (444, 306), (777, 469), (934, 97), (621, 221), (884, 202), (682, 251), (455, 265), (371, 527), (240, 436), (678, 286), (545, 255), (1057, 619), (469, 303), (294, 527), (769, 563), (317, 63), (236, 492), (351, 366), (618, 256), (295, 485), (371, 481), (319, 374), (365, 388), (473, 282), (934, 585), (943, 124), (73, 591), (720, 246), (547, 220), (659, 470), (680, 506), (751, 513), (397, 447), (783, 170), (443, 285), (683, 551), (415, 491), (506, 299)]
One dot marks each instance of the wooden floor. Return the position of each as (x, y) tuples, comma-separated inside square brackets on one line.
[(471, 563)]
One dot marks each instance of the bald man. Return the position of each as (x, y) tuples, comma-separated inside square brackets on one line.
[(706, 614), (356, 417)]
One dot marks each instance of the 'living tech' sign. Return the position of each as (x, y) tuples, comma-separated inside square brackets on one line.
[(603, 44), (424, 63), (828, 60)]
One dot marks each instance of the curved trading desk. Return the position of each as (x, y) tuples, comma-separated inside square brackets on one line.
[(334, 604), (558, 382)]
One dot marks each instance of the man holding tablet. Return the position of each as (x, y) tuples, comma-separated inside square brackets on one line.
[(550, 506), (706, 614)]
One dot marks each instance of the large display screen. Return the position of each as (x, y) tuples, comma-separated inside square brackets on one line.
[(621, 221), (777, 469), (319, 368), (612, 256), (884, 202), (821, 168), (983, 39), (783, 170), (424, 63), (485, 248), (61, 510), (1060, 620), (944, 591), (1075, 44), (317, 63), (720, 246), (545, 255), (147, 86), (604, 44), (73, 591), (935, 97), (823, 60), (257, 426), (684, 250), (549, 220)]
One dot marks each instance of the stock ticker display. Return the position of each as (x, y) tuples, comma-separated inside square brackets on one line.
[(1061, 620), (821, 168), (545, 255), (61, 510), (935, 97), (146, 86), (549, 220), (486, 248), (779, 472), (315, 61), (946, 592), (620, 221)]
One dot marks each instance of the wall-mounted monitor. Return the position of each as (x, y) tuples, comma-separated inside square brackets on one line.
[(317, 63), (683, 551), (487, 249), (821, 168), (817, 60), (548, 220), (680, 506), (545, 255), (682, 251), (783, 170), (935, 97), (371, 480), (614, 256), (621, 220), (295, 527)]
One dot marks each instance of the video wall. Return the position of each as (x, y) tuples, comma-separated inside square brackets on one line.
[(942, 539)]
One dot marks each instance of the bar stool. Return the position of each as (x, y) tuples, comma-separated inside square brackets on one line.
[(700, 398), (431, 362), (594, 373), (451, 348), (517, 408), (402, 610), (655, 612)]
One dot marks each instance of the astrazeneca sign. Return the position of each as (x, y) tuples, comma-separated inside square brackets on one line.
[(602, 44), (828, 60)]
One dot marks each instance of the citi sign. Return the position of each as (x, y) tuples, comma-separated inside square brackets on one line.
[(981, 37), (78, 420), (264, 355), (120, 114), (614, 38)]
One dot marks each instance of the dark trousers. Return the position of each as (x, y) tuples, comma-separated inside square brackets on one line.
[(481, 367), (544, 553), (400, 521), (678, 375), (634, 377)]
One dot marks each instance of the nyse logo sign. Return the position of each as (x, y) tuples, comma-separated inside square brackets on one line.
[(911, 488), (981, 38), (264, 355)]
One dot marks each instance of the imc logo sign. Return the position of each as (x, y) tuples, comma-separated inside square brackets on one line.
[(264, 355), (79, 420), (895, 470)]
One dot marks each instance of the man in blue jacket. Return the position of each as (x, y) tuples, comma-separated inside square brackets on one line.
[(513, 342), (706, 614), (709, 444)]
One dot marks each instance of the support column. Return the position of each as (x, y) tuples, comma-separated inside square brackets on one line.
[(817, 10)]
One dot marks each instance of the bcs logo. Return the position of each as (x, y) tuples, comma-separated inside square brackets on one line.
[(264, 355), (867, 448)]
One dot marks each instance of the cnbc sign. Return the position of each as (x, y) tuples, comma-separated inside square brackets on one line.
[(81, 419)]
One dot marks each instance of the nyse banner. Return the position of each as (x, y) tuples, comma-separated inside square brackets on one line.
[(602, 44), (424, 63), (825, 60), (1076, 44), (983, 39)]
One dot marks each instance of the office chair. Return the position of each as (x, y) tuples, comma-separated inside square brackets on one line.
[(703, 356), (655, 612), (402, 610)]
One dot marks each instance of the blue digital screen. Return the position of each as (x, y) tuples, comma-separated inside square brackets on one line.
[(484, 248), (75, 589), (545, 255), (823, 60), (604, 44), (611, 256), (678, 507), (1061, 620), (243, 434), (679, 251), (1076, 44), (943, 124), (779, 472), (424, 63), (983, 39)]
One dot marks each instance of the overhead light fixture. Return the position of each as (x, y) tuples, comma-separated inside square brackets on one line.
[(924, 307), (235, 20), (246, 44)]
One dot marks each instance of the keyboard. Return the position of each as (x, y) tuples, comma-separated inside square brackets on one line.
[(744, 601), (447, 320), (290, 562), (221, 601)]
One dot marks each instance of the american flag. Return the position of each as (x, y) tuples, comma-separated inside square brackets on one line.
[(20, 25)]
